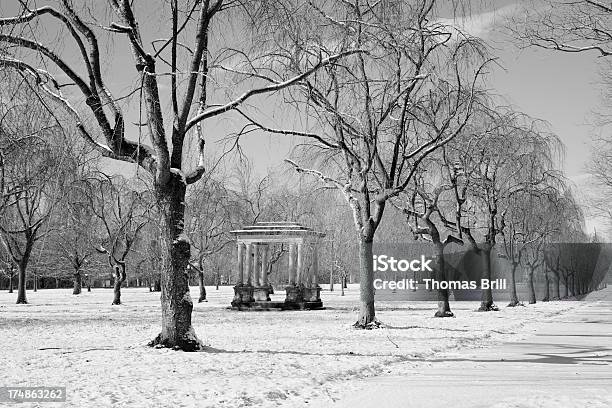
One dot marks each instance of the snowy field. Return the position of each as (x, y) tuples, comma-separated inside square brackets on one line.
[(259, 359)]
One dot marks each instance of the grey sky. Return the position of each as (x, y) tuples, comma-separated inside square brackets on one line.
[(559, 88)]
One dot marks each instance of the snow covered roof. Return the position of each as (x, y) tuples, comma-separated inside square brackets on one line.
[(287, 229)]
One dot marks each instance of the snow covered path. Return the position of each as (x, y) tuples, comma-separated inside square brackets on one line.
[(566, 362)]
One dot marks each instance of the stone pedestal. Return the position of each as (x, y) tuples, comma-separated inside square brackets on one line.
[(242, 294), (312, 294), (294, 294), (262, 293)]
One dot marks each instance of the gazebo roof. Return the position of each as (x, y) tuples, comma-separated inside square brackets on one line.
[(274, 229)]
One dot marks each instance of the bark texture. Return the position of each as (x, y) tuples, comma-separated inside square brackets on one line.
[(177, 331), (76, 289), (547, 289), (367, 314), (120, 277), (443, 301), (202, 297), (21, 285), (513, 296), (531, 287), (486, 302), (556, 287)]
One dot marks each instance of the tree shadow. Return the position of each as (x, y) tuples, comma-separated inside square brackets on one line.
[(214, 350), (580, 355), (425, 327)]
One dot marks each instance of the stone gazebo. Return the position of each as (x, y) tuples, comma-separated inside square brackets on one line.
[(252, 290)]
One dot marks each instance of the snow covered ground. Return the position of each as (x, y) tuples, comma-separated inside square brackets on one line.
[(262, 359), (565, 362)]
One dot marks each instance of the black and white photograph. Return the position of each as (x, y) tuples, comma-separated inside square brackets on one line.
[(306, 203)]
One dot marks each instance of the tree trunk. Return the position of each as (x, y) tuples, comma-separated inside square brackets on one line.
[(486, 302), (547, 289), (343, 285), (367, 314), (202, 297), (35, 283), (331, 281), (532, 296), (120, 277), (76, 290), (177, 331), (11, 283), (21, 285), (218, 275), (513, 296), (443, 303), (556, 286)]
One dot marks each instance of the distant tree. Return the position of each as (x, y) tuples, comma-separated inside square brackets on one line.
[(77, 229), (7, 268), (533, 217), (122, 212), (209, 212), (35, 166), (510, 157)]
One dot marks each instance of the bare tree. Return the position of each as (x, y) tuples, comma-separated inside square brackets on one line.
[(542, 223), (385, 110), (122, 211), (208, 222), (424, 214), (7, 269), (532, 218), (513, 155), (558, 251), (573, 27), (33, 153), (76, 230)]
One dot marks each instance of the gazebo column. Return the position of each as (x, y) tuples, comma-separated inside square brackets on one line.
[(243, 293), (255, 266), (295, 292), (262, 290), (300, 263), (249, 262), (264, 265), (240, 251), (291, 266), (315, 266), (313, 292)]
